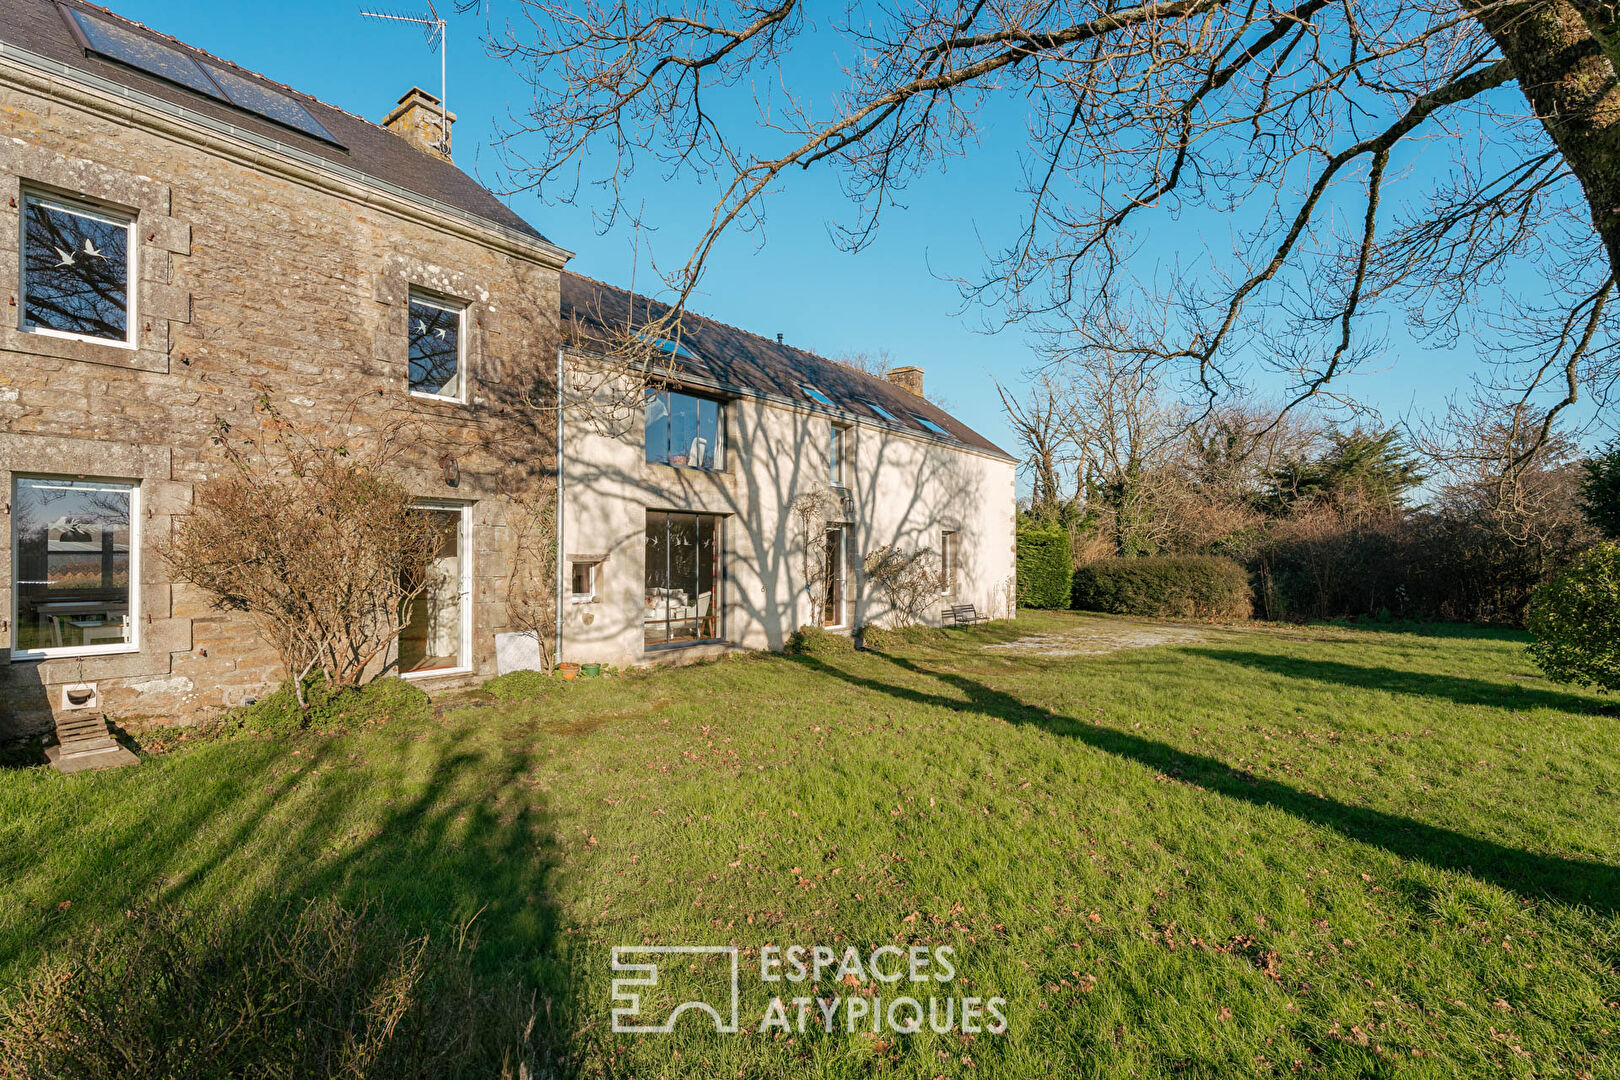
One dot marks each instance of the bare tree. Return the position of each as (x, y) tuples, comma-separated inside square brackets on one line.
[(1043, 422), (1143, 115)]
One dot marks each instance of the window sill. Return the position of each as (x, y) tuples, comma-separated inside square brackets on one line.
[(439, 398), (89, 339), (435, 673), (24, 655), (584, 600), (676, 646)]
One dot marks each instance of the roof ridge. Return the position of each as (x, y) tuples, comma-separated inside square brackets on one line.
[(213, 58)]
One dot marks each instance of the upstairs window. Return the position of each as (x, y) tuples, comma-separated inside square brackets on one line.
[(684, 430), (931, 426), (435, 348), (882, 412), (76, 270), (817, 396), (837, 454)]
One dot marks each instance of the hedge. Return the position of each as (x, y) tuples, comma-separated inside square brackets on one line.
[(1045, 567), (1576, 620), (1200, 587)]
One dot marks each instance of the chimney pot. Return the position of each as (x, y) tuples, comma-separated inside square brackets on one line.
[(908, 378), (419, 120)]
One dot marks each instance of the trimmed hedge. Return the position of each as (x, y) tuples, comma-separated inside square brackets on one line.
[(1193, 586), (1045, 567), (1576, 620)]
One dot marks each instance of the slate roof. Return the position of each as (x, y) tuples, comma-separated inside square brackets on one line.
[(736, 360), (38, 26)]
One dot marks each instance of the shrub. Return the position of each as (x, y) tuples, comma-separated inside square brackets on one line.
[(1576, 620), (884, 638), (309, 536), (330, 708), (1045, 567), (517, 685), (302, 990), (1201, 587), (815, 641), (908, 580)]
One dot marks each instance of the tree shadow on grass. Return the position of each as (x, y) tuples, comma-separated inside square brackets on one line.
[(460, 840), (1416, 683), (1527, 874)]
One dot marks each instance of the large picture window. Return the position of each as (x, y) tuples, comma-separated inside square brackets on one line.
[(437, 636), (76, 270), (684, 430), (683, 578), (435, 348), (74, 566)]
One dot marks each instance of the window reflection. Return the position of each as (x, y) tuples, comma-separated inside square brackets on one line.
[(435, 348), (72, 568), (75, 270), (683, 430)]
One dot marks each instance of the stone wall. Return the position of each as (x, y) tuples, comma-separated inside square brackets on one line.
[(254, 281)]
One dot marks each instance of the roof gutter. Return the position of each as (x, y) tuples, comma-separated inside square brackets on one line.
[(56, 80)]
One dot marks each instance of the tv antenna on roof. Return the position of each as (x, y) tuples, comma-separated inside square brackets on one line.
[(434, 26)]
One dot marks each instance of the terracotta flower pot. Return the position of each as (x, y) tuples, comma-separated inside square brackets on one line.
[(568, 671)]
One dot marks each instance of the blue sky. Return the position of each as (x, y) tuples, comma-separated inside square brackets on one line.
[(791, 279)]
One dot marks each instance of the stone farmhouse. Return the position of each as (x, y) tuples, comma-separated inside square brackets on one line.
[(182, 240)]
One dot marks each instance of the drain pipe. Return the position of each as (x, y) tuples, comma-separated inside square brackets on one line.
[(556, 653)]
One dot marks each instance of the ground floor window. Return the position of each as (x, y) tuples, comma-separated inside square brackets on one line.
[(437, 636), (683, 578), (832, 608), (949, 552), (74, 565)]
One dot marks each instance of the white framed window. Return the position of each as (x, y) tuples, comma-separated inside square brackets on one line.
[(75, 566), (833, 614), (78, 270), (437, 353), (838, 454), (949, 552), (582, 574), (437, 636)]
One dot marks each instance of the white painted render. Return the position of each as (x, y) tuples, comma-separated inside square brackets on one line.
[(903, 489)]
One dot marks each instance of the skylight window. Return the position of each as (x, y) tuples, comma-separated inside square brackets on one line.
[(669, 347), (817, 395), (931, 426), (881, 411)]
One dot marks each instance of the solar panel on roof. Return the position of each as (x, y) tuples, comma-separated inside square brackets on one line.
[(267, 102), (166, 62), (152, 57)]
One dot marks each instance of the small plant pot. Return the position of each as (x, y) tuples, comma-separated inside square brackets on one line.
[(590, 671), (568, 671), (680, 461)]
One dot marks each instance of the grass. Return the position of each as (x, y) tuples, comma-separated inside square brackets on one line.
[(1332, 851)]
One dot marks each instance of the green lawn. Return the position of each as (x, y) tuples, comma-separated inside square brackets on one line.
[(1271, 850)]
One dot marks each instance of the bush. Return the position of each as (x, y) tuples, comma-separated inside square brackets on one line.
[(1045, 567), (333, 709), (1576, 620), (300, 991), (884, 638), (909, 581), (1194, 586), (518, 685), (814, 641)]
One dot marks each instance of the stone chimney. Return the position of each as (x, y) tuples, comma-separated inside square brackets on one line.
[(906, 378), (418, 119)]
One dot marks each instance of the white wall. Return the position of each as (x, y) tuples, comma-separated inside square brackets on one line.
[(904, 490)]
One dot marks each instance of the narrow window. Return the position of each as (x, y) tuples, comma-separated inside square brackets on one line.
[(437, 637), (948, 553), (75, 565), (683, 579), (837, 454), (583, 575), (435, 348), (76, 270), (832, 610), (684, 430)]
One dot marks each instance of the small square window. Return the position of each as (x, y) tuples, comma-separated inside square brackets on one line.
[(76, 270), (583, 575), (435, 348)]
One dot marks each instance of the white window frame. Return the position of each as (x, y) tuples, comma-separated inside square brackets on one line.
[(838, 442), (457, 308), (840, 588), (134, 642), (108, 214), (950, 558), (591, 567), (465, 540)]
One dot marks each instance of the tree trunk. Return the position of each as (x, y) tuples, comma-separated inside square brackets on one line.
[(1569, 77)]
